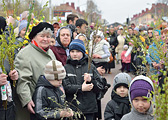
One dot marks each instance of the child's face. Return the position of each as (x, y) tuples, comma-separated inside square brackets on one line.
[(52, 42), (56, 83), (141, 104), (76, 54), (22, 32), (122, 91), (83, 39), (125, 48)]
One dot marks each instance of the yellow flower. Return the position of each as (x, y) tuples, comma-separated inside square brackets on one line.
[(25, 41), (18, 18), (36, 21), (30, 26), (142, 38), (27, 36)]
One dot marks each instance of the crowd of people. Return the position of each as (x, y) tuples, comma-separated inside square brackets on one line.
[(57, 79)]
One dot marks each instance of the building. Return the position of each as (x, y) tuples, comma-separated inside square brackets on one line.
[(115, 24), (150, 15), (63, 10)]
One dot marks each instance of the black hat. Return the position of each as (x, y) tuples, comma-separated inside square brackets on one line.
[(39, 28), (2, 24)]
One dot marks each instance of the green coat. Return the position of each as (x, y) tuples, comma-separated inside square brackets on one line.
[(30, 63)]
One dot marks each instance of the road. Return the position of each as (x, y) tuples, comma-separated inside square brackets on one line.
[(110, 78)]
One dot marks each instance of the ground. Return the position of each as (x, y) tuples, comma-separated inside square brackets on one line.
[(110, 78)]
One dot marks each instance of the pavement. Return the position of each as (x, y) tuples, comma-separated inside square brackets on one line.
[(110, 78)]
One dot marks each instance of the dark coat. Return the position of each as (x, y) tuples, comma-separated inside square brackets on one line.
[(8, 114), (59, 53), (117, 107), (44, 97), (113, 42), (73, 84)]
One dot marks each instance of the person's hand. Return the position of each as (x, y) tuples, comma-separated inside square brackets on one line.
[(30, 106), (87, 87), (101, 70), (9, 20), (97, 56), (66, 113), (87, 77), (94, 56), (13, 75), (3, 79), (154, 64), (112, 46)]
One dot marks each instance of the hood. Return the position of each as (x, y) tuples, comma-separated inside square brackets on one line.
[(42, 81), (82, 61), (141, 77), (58, 42)]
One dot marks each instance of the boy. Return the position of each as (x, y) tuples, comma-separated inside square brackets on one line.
[(119, 103), (81, 81), (140, 87), (52, 41), (49, 97)]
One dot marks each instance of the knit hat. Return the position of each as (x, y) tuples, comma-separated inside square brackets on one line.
[(140, 87), (77, 44), (23, 24), (125, 46), (39, 28), (54, 70), (3, 24), (121, 79)]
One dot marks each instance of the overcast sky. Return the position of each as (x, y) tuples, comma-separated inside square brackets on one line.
[(112, 10)]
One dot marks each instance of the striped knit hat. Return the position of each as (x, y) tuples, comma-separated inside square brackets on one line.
[(54, 70)]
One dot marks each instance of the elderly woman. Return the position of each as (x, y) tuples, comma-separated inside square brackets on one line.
[(61, 50), (101, 51), (30, 62)]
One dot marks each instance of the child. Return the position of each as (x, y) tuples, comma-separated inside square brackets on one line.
[(52, 41), (126, 60), (49, 97), (81, 81), (140, 87), (119, 103)]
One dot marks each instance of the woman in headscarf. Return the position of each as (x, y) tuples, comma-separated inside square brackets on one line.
[(63, 39), (101, 51)]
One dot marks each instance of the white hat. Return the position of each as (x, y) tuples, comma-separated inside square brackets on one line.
[(98, 33), (54, 70)]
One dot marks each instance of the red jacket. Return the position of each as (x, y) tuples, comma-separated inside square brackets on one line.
[(59, 53), (125, 59)]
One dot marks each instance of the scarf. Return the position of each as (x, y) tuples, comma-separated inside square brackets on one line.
[(123, 103), (35, 43)]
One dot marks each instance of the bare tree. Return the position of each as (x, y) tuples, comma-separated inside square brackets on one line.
[(92, 11)]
